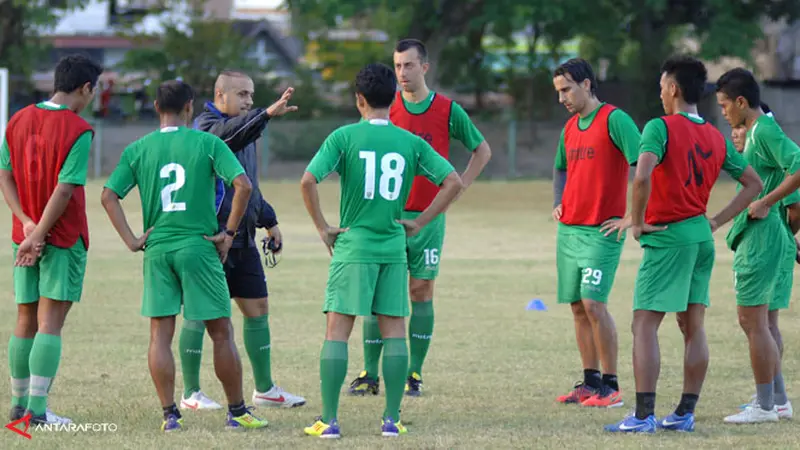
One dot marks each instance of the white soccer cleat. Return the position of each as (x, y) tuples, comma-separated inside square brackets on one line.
[(277, 397), (753, 414), (199, 400), (785, 411), (55, 419)]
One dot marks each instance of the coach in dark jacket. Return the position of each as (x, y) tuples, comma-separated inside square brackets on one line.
[(231, 117)]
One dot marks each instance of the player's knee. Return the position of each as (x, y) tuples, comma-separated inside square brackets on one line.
[(420, 290), (161, 330), (594, 310), (578, 311), (27, 321), (253, 307), (220, 330), (751, 321), (392, 327)]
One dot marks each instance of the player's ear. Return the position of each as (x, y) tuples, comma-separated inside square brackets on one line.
[(425, 66), (155, 106)]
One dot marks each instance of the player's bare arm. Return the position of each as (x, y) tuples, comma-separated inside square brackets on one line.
[(760, 208), (29, 249), (9, 187), (641, 193), (559, 183), (477, 162), (241, 194), (116, 215), (451, 187), (308, 186), (751, 187)]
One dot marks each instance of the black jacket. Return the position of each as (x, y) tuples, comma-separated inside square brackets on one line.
[(240, 133)]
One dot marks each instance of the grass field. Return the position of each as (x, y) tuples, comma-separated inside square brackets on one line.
[(492, 374)]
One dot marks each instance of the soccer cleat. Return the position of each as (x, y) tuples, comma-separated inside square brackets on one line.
[(753, 414), (675, 422), (17, 412), (246, 421), (605, 398), (413, 385), (324, 430), (36, 420), (631, 424), (579, 394), (785, 411), (390, 428), (199, 400), (364, 385), (172, 423), (277, 397), (54, 418)]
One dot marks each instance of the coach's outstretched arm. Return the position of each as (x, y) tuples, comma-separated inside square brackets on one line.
[(450, 189), (241, 195), (240, 131), (751, 187), (308, 186)]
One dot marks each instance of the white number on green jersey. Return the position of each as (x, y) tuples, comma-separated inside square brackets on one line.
[(391, 178), (431, 256), (167, 205)]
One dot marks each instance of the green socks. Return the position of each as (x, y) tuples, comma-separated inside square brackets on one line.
[(332, 371), (19, 352), (44, 360), (190, 347), (373, 344), (395, 365), (420, 332), (257, 344)]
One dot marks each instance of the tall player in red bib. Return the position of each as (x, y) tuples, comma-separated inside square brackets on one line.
[(590, 187), (436, 119), (680, 158), (43, 163)]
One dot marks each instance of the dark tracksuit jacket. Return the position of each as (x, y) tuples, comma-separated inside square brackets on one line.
[(240, 133)]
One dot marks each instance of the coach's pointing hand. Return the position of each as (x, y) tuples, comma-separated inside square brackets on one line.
[(281, 107)]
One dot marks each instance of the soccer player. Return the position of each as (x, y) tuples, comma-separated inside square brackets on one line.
[(174, 169), (680, 159), (762, 243), (590, 187), (436, 119), (43, 163), (231, 118), (790, 213), (377, 162)]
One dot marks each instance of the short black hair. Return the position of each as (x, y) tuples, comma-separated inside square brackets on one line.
[(74, 71), (404, 45), (740, 82), (377, 83), (578, 69), (690, 74), (173, 95)]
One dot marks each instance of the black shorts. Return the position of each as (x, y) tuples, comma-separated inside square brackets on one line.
[(245, 274)]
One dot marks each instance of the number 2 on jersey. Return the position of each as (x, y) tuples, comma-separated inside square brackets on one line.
[(391, 179), (167, 205)]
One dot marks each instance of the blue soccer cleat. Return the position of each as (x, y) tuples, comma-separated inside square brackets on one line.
[(675, 422), (172, 423), (631, 424)]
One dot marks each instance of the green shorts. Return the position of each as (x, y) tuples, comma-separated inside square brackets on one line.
[(192, 277), (425, 249), (761, 271), (672, 278), (586, 263), (57, 275), (363, 289)]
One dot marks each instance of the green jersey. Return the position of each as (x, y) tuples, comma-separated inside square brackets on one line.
[(694, 229), (175, 171), (774, 157), (377, 163)]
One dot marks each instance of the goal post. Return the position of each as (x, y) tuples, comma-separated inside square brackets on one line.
[(4, 100)]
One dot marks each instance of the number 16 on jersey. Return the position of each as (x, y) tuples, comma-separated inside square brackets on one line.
[(391, 177)]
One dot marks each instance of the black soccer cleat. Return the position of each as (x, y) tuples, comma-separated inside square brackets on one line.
[(364, 385)]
